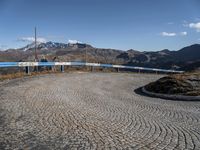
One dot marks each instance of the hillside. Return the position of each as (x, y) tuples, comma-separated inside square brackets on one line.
[(187, 58)]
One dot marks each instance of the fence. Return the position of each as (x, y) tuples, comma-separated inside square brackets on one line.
[(62, 64)]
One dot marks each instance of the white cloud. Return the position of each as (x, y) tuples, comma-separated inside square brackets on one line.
[(168, 34), (183, 33), (195, 26), (171, 34), (32, 39), (74, 41)]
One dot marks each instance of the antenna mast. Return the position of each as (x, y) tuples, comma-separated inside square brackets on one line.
[(36, 57)]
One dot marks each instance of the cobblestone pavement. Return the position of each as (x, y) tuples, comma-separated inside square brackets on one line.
[(93, 111)]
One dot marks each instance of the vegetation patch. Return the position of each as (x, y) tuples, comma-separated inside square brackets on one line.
[(180, 84)]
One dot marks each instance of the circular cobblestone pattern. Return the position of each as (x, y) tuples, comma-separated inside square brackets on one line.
[(93, 111)]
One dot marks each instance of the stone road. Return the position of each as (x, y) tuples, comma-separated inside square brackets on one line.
[(93, 111)]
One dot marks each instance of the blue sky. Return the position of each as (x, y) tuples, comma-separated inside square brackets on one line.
[(146, 25)]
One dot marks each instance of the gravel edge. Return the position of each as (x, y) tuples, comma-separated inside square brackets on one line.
[(170, 96)]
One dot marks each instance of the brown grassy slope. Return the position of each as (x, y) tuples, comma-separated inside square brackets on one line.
[(182, 84)]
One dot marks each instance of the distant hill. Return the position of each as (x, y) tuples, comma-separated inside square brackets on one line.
[(187, 58), (190, 53)]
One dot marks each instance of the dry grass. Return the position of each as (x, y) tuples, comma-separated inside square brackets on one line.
[(183, 84), (22, 74), (12, 76), (186, 75)]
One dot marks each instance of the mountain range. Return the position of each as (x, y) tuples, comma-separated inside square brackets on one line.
[(187, 58)]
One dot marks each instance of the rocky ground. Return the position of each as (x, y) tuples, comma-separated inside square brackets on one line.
[(181, 84), (93, 111)]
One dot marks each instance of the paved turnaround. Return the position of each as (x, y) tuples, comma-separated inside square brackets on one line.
[(93, 111)]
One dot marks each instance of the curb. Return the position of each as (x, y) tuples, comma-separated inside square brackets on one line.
[(170, 96)]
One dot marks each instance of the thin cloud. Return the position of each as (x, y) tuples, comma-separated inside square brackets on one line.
[(32, 39), (197, 19), (195, 26), (172, 34), (167, 34), (185, 23), (74, 41), (183, 33), (3, 47)]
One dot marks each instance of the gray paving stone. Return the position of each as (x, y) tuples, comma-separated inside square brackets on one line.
[(93, 111)]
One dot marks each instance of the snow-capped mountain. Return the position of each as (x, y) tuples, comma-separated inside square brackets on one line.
[(52, 45), (44, 46), (29, 46)]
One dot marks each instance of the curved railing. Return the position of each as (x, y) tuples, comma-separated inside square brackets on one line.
[(32, 64)]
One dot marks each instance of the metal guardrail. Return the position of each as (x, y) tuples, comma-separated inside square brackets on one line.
[(62, 64)]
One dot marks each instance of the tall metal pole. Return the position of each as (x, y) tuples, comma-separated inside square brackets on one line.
[(86, 59), (36, 57), (85, 55)]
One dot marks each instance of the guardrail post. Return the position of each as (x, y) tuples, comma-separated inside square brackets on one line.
[(36, 69), (92, 68), (117, 69), (139, 71), (27, 70), (62, 68), (52, 68)]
